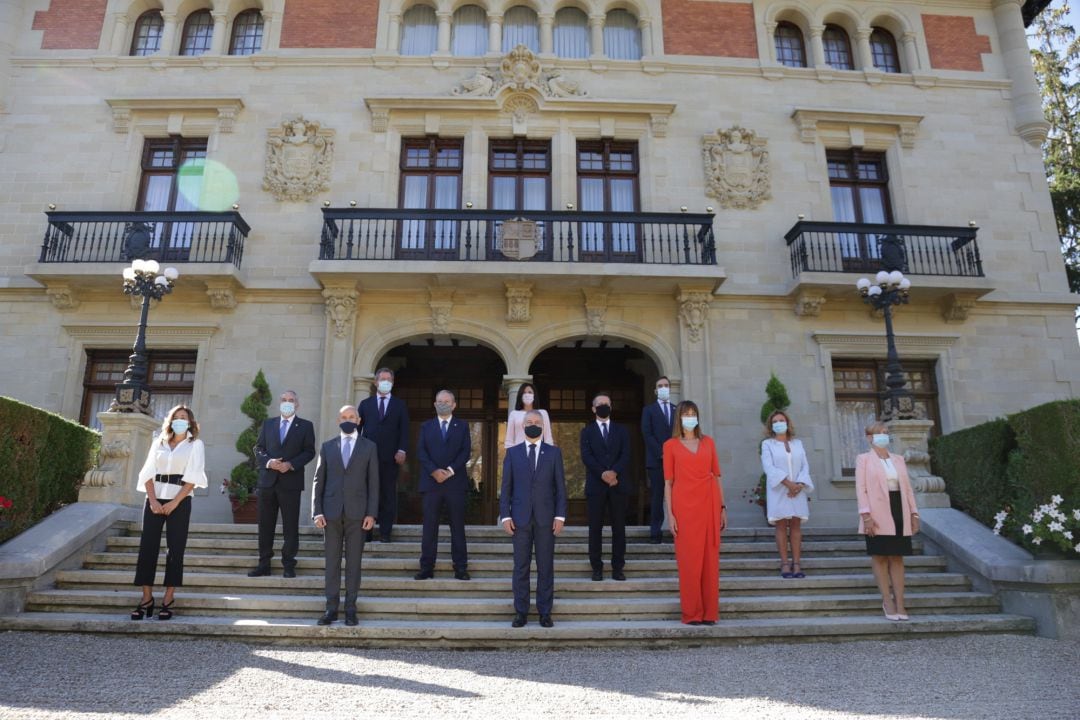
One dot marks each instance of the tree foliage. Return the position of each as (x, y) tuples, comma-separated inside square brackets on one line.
[(1056, 58)]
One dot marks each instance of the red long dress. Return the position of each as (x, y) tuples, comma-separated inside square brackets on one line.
[(696, 497)]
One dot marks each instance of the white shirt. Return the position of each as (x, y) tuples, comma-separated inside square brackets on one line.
[(536, 443), (188, 458), (892, 478), (602, 423)]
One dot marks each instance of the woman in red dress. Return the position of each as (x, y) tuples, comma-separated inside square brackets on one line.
[(697, 515)]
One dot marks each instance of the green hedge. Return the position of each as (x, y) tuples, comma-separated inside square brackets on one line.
[(44, 457), (973, 463)]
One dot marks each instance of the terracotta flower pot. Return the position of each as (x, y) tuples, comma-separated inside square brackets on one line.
[(247, 512)]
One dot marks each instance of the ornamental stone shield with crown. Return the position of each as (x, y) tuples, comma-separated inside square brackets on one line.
[(299, 155), (736, 168)]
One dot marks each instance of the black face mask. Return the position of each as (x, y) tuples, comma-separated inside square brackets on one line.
[(533, 431), (348, 427), (603, 411)]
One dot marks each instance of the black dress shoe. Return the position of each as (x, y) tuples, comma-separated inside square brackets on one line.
[(350, 618), (424, 575), (462, 575), (694, 622), (654, 541), (327, 618), (289, 573), (519, 620), (545, 621), (710, 623), (617, 575), (369, 536), (259, 572), (597, 575), (386, 537)]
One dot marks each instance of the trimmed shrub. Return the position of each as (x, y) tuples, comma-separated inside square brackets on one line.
[(973, 463), (44, 457), (1046, 461), (244, 476)]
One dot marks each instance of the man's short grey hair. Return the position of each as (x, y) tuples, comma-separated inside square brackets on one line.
[(537, 413), (346, 407), (291, 392), (453, 397)]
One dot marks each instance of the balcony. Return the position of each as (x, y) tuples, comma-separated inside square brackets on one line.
[(626, 250)]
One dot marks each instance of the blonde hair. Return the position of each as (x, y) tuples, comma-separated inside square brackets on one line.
[(768, 424), (877, 427)]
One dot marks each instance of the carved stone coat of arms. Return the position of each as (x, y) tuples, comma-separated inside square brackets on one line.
[(736, 168), (299, 155)]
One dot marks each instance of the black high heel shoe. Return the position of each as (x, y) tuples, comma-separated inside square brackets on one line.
[(166, 613), (143, 610)]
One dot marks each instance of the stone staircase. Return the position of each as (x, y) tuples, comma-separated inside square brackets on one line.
[(838, 599)]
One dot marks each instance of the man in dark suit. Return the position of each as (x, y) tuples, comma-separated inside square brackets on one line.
[(605, 452), (285, 445), (657, 423), (385, 422), (344, 500), (532, 509), (444, 448)]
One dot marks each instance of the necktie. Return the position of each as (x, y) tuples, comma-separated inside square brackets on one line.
[(346, 451), (532, 456), (667, 412), (603, 430), (284, 429), (382, 408), (444, 429)]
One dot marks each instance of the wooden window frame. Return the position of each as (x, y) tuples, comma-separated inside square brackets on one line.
[(96, 357), (189, 26), (832, 47), (519, 172), (251, 30), (784, 36), (883, 46), (140, 22), (605, 147), (433, 144), (179, 146), (852, 158)]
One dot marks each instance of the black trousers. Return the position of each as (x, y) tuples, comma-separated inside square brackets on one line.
[(388, 475), (614, 502), (176, 532), (656, 501), (433, 501), (274, 500), (527, 538)]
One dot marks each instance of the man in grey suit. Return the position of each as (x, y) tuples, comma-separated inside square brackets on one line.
[(344, 502)]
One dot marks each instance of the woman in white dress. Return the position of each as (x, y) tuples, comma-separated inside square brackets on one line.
[(787, 487), (515, 428)]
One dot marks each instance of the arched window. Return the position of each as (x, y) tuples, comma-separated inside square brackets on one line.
[(470, 32), (147, 37), (198, 33), (521, 27), (837, 48), (419, 30), (883, 50), (247, 33), (572, 33), (790, 47), (622, 37)]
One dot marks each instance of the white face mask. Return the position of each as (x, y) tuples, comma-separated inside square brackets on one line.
[(663, 393), (880, 440), (385, 386), (527, 398), (689, 422)]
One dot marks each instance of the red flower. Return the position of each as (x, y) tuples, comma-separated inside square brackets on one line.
[(5, 503)]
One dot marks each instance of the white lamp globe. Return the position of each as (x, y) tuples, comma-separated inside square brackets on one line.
[(152, 267), (171, 273), (129, 274), (138, 265), (905, 284), (895, 277), (875, 290), (863, 283), (882, 277)]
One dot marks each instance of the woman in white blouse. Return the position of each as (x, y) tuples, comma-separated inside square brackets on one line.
[(174, 467), (515, 424), (787, 487)]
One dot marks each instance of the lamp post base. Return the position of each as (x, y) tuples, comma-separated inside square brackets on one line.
[(911, 440), (131, 398)]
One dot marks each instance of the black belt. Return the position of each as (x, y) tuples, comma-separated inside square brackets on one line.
[(169, 479)]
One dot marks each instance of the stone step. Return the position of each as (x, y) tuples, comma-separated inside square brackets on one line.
[(413, 634), (404, 585), (445, 608)]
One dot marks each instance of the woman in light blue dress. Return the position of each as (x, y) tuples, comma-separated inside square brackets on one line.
[(787, 489)]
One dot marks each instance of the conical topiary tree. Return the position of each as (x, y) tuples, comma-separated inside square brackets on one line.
[(244, 476)]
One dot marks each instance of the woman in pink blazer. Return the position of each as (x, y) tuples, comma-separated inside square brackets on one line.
[(888, 516)]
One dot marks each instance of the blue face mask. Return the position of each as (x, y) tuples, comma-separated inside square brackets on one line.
[(663, 393), (880, 440), (287, 409), (689, 422), (179, 426), (779, 427), (385, 386)]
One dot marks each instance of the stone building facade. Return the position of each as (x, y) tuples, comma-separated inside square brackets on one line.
[(408, 184)]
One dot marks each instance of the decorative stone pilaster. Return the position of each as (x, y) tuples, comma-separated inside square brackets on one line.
[(809, 302), (1031, 123), (337, 378), (441, 302), (125, 442), (340, 308), (694, 349), (910, 438), (511, 385), (63, 297), (694, 311), (956, 306), (518, 302), (596, 305)]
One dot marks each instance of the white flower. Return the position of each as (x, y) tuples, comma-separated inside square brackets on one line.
[(997, 530), (1027, 529), (1067, 534), (1057, 499), (1038, 515), (1036, 540), (1077, 548), (1056, 527), (1057, 515), (1001, 516), (1076, 514)]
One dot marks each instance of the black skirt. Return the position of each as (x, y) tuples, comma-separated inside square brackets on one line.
[(898, 544)]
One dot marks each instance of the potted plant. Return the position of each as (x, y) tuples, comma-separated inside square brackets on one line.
[(241, 483)]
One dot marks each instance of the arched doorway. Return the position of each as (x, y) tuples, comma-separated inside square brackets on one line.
[(474, 373)]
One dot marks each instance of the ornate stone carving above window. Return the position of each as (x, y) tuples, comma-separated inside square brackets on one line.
[(187, 116), (519, 70), (736, 168), (299, 156), (856, 128)]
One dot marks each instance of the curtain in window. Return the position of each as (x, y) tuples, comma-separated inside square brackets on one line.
[(843, 203), (622, 38), (147, 37), (852, 417), (414, 196), (470, 32), (592, 200), (189, 180), (419, 31), (247, 33), (521, 27), (623, 239), (572, 33), (446, 198), (160, 404), (198, 33)]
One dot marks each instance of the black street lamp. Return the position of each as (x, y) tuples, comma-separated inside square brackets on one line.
[(141, 279), (890, 288)]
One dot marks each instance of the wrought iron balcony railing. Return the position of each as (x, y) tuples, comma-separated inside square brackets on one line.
[(856, 248), (175, 237), (498, 235)]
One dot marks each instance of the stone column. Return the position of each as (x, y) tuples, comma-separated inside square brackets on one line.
[(770, 41), (911, 53), (271, 31), (125, 442), (11, 20), (118, 46), (393, 39), (1027, 103), (817, 47), (596, 32), (693, 304), (168, 34), (442, 46), (217, 40), (910, 438), (862, 43), (495, 34), (337, 380), (547, 29), (645, 26)]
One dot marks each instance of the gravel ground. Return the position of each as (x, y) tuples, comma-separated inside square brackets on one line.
[(977, 677)]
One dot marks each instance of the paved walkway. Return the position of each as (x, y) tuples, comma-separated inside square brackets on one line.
[(976, 677)]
